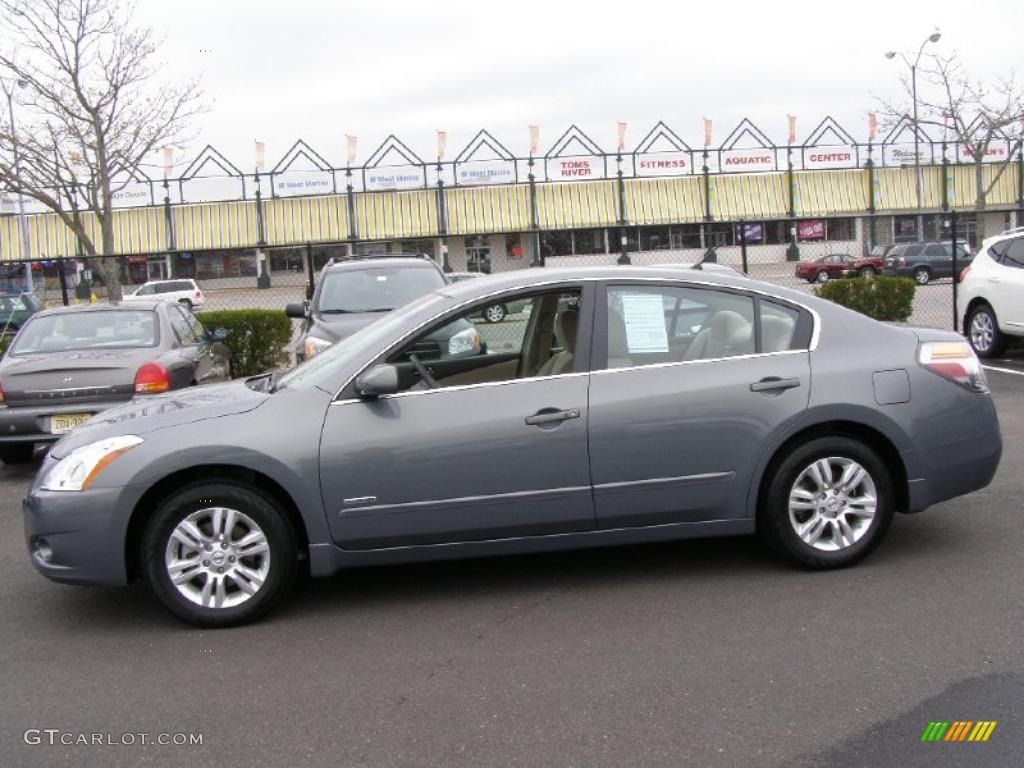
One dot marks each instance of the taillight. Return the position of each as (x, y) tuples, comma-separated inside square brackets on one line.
[(151, 378), (2, 398), (963, 274), (954, 360), (199, 294)]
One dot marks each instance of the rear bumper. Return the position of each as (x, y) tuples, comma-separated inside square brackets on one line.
[(955, 469), (31, 423)]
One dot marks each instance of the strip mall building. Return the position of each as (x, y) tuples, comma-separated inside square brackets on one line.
[(489, 210)]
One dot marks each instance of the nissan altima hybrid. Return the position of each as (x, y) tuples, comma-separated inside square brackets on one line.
[(632, 404)]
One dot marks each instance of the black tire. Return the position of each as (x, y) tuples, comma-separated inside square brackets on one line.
[(868, 272), (280, 539), (21, 453), (996, 339), (186, 303), (773, 520), (922, 275), (495, 313), (821, 277)]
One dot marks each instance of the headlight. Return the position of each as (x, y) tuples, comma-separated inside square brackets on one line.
[(315, 346), (464, 341), (77, 470)]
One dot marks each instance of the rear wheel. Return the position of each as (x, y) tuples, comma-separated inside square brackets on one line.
[(17, 454), (218, 554), (829, 503), (495, 313), (983, 332), (922, 275), (822, 276)]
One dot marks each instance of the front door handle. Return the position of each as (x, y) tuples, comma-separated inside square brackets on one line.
[(551, 416), (773, 383)]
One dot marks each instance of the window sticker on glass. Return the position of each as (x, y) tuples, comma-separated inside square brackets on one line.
[(644, 315), (382, 278)]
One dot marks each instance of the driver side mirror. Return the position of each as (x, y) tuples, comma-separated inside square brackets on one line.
[(379, 380), (296, 310)]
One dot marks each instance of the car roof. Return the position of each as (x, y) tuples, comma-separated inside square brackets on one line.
[(71, 309), (411, 261), (170, 280)]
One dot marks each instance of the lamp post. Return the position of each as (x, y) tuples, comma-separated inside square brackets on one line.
[(168, 157), (932, 38), (26, 243), (263, 274)]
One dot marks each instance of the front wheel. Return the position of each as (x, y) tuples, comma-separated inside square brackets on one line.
[(922, 275), (218, 554), (829, 503), (495, 313), (868, 272), (983, 332)]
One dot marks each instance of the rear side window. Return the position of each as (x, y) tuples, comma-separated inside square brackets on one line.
[(1013, 256), (911, 251), (936, 251), (778, 326)]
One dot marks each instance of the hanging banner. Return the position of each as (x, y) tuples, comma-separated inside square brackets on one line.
[(810, 230), (395, 177), (819, 158), (9, 204), (565, 168), (205, 189), (485, 172), (135, 193), (298, 183), (663, 164), (747, 160), (754, 233)]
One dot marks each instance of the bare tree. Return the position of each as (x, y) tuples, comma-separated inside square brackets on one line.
[(92, 110), (973, 114)]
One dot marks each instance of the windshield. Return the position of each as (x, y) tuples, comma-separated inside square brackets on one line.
[(378, 289), (114, 329), (358, 348)]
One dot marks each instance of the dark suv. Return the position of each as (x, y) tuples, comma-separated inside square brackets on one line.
[(925, 261), (351, 293)]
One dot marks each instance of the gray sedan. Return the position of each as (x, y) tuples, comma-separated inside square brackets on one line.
[(678, 404), (69, 363)]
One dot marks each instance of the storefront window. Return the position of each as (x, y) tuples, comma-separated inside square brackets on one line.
[(841, 229), (287, 261), (556, 243), (587, 241), (655, 238), (478, 255)]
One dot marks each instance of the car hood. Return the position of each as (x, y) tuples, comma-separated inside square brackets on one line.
[(336, 327), (153, 412)]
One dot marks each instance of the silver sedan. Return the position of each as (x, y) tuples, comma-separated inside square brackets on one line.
[(630, 405)]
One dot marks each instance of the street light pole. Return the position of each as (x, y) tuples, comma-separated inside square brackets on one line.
[(26, 243), (932, 38)]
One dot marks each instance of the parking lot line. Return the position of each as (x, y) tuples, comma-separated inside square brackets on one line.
[(1003, 370)]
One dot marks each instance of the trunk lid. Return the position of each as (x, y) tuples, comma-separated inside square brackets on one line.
[(72, 376)]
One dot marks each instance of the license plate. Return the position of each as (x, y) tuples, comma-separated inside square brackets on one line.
[(65, 422)]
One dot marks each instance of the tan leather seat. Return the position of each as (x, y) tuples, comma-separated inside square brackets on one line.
[(727, 333), (567, 323), (618, 346), (776, 333)]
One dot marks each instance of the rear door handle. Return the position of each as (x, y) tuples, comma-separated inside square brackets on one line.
[(774, 383), (551, 416)]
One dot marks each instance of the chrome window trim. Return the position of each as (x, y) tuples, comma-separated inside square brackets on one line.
[(703, 360), (459, 387), (815, 317)]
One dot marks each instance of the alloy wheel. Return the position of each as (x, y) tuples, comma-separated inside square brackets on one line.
[(982, 332), (494, 313), (832, 503), (217, 557)]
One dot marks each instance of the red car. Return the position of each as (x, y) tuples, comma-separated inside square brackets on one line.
[(826, 268), (871, 265)]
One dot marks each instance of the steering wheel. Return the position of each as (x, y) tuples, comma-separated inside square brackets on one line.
[(423, 371)]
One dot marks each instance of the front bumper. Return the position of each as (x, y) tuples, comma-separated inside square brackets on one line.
[(31, 423), (86, 545)]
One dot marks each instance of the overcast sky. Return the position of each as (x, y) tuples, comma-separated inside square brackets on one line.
[(278, 70)]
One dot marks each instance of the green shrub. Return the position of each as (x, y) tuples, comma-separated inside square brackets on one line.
[(256, 337), (883, 298), (5, 342)]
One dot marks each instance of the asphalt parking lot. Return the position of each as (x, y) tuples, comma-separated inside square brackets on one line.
[(704, 653)]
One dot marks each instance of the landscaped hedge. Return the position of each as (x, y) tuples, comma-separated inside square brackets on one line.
[(883, 298), (256, 337), (5, 342)]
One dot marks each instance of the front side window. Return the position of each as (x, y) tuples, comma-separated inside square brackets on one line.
[(538, 338), (113, 329), (146, 290), (375, 289)]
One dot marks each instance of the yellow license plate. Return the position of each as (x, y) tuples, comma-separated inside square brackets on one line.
[(65, 422)]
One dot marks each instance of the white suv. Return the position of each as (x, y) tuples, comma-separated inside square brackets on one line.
[(184, 292), (991, 295)]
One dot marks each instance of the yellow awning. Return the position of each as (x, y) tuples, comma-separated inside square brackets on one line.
[(667, 200), (749, 196), (488, 209), (386, 215), (577, 205), (305, 219), (819, 193)]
